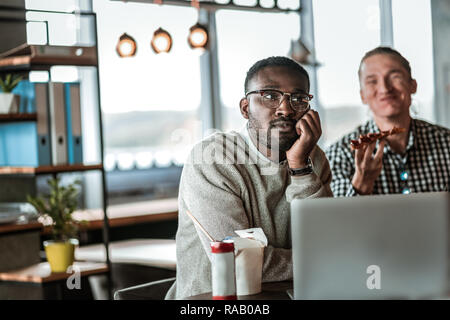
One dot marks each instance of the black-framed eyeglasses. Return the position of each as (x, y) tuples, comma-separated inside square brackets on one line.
[(272, 98)]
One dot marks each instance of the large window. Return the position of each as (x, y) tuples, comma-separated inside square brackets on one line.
[(244, 38), (51, 28), (150, 102), (413, 39), (344, 31)]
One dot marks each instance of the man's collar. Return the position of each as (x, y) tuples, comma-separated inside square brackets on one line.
[(372, 127), (412, 135), (245, 133)]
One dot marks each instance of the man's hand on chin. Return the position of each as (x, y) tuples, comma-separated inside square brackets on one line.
[(309, 130)]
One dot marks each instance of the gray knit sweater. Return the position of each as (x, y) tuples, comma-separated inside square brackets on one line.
[(227, 184)]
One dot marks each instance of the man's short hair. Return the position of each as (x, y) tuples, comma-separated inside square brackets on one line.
[(389, 51), (274, 62)]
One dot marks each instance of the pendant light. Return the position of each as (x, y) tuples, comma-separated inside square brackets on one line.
[(126, 46), (161, 41), (198, 33)]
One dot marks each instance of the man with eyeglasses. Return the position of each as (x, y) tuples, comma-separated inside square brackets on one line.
[(417, 160), (246, 179)]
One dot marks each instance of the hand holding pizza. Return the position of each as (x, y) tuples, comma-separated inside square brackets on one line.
[(367, 166)]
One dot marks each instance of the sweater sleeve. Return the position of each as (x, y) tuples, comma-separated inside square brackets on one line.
[(210, 193), (278, 261), (314, 185), (212, 197)]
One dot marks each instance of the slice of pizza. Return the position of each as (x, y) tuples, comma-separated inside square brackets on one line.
[(365, 139)]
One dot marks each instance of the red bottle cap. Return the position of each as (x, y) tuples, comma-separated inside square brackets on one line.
[(222, 247)]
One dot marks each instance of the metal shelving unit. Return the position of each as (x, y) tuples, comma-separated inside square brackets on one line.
[(55, 170)]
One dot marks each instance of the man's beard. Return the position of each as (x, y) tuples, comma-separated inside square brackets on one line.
[(271, 137)]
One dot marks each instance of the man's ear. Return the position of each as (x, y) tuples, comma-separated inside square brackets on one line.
[(243, 106), (413, 86), (363, 98)]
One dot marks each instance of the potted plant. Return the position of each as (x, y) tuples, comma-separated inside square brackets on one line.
[(9, 102), (59, 206)]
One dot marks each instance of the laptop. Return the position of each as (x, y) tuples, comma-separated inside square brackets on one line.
[(371, 247)]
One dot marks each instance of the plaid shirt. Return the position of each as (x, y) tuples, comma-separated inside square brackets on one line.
[(425, 167)]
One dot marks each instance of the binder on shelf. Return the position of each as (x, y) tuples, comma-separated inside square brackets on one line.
[(25, 90), (58, 130), (49, 55), (73, 120), (28, 143), (2, 148), (18, 145), (41, 105)]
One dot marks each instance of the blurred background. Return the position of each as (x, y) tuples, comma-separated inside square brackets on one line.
[(155, 90), (155, 106)]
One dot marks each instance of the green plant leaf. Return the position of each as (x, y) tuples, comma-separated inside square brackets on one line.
[(2, 84), (59, 205), (15, 82), (10, 82)]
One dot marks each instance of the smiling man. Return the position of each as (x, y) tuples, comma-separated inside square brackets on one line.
[(416, 160), (246, 179)]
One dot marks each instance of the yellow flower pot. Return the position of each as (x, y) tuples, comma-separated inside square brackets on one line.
[(60, 254)]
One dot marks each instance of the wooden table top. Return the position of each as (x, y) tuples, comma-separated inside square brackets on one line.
[(119, 215), (41, 273), (270, 291), (14, 227), (126, 214)]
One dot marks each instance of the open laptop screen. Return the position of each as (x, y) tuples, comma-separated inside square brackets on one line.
[(371, 247)]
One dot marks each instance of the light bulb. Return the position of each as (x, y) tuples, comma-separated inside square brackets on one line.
[(126, 47), (162, 41), (198, 36)]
